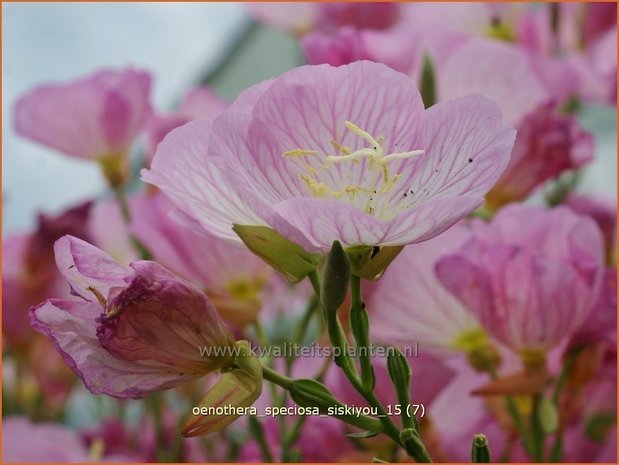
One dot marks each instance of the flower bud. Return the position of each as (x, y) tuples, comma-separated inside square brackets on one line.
[(335, 278), (480, 452)]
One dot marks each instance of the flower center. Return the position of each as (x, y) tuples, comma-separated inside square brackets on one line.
[(362, 190)]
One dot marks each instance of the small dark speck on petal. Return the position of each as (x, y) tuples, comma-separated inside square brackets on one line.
[(470, 160), (72, 266)]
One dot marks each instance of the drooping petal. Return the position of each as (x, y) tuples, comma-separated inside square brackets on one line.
[(89, 270), (72, 327)]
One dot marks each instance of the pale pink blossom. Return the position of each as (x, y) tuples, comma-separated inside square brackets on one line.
[(306, 156), (95, 117), (531, 275), (131, 330)]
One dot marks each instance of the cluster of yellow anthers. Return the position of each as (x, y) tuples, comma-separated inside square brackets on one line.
[(378, 162)]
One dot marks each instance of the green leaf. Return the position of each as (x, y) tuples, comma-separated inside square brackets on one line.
[(285, 256)]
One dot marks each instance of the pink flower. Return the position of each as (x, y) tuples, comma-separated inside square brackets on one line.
[(547, 144), (133, 330), (208, 262), (96, 117), (306, 156), (198, 103), (410, 305), (531, 276)]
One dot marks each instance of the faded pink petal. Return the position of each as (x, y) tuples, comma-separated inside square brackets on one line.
[(89, 269), (92, 117)]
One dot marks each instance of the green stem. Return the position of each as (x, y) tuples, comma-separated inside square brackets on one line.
[(360, 326), (276, 378), (121, 199), (258, 433), (537, 432), (315, 280)]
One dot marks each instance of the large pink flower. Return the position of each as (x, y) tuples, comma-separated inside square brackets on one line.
[(132, 330), (532, 275), (322, 154)]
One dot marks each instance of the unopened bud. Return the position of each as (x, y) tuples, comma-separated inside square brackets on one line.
[(335, 278), (480, 452)]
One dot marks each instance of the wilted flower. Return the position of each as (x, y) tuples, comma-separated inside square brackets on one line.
[(134, 330), (95, 118), (531, 276), (306, 156)]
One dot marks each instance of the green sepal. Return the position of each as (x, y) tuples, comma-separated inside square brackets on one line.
[(368, 263), (239, 386), (283, 255), (427, 83)]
